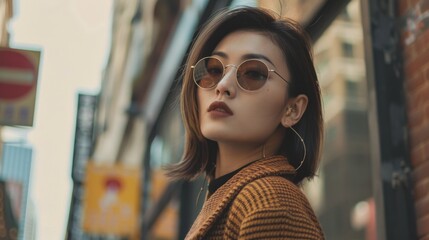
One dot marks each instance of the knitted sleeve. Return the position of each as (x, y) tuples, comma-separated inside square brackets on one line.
[(274, 208)]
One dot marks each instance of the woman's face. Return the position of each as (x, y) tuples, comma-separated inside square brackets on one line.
[(230, 114)]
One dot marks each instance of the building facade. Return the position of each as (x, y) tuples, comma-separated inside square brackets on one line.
[(414, 35), (345, 171), (15, 162), (6, 13)]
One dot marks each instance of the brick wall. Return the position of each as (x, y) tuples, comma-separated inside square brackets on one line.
[(415, 44)]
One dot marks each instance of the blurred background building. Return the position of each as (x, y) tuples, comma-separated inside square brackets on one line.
[(345, 173), (16, 207), (372, 59)]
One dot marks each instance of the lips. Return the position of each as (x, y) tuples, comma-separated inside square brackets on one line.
[(220, 107)]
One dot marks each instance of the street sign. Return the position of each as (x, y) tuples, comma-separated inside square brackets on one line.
[(84, 134), (18, 81)]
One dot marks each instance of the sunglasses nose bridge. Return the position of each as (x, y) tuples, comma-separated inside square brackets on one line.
[(233, 70), (231, 65), (228, 73), (228, 78)]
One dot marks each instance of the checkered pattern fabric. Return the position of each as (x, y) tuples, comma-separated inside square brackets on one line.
[(259, 202)]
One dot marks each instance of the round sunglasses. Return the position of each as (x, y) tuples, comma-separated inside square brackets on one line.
[(251, 74)]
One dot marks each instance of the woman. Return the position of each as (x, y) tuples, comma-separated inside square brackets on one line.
[(252, 113)]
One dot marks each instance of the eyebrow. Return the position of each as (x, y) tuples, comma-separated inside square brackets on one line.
[(245, 56)]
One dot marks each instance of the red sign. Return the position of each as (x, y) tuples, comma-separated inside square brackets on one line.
[(18, 86), (18, 74)]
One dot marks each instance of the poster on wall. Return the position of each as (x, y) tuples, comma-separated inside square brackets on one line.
[(111, 200)]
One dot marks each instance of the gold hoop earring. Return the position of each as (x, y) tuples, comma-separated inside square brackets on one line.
[(303, 144), (199, 193)]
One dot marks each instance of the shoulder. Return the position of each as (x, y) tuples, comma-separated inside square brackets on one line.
[(276, 206), (274, 194), (271, 191)]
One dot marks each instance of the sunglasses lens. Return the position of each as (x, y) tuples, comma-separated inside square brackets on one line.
[(208, 72), (252, 74)]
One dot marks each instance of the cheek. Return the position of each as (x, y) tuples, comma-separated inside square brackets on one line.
[(270, 105), (263, 114), (202, 100)]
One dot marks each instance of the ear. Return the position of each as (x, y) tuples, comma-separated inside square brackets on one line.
[(294, 109)]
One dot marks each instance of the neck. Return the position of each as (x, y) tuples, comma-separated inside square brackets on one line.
[(231, 157)]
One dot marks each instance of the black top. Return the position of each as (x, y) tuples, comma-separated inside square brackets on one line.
[(218, 182)]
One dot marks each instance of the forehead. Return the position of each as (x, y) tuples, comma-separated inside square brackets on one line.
[(240, 43)]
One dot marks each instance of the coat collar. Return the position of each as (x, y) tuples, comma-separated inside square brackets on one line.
[(216, 203)]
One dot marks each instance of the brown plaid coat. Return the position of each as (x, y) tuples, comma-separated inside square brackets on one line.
[(258, 203)]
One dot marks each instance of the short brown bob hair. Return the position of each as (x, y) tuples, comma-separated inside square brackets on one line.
[(200, 153)]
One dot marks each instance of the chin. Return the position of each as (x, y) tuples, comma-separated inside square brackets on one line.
[(215, 134)]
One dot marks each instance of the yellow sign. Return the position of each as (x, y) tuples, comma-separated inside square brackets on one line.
[(111, 202)]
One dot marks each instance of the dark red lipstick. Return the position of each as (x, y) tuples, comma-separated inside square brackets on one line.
[(220, 108)]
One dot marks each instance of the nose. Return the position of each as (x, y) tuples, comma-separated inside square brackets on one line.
[(227, 84)]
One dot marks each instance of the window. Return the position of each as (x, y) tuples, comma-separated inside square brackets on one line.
[(347, 49)]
